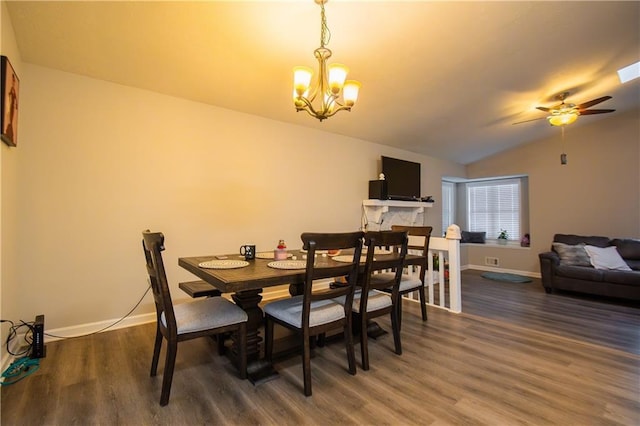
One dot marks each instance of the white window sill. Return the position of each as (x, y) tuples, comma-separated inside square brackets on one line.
[(509, 245)]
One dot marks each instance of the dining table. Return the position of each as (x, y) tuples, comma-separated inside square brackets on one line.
[(246, 284)]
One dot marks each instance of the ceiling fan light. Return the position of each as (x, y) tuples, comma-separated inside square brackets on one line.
[(563, 119)]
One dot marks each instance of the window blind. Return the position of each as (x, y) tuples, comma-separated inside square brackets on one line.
[(448, 209), (494, 206)]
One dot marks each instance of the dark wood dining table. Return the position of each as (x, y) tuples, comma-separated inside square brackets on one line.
[(246, 285)]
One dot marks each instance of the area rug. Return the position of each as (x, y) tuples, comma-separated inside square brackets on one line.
[(503, 276)]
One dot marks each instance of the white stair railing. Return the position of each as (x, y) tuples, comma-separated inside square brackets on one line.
[(449, 294)]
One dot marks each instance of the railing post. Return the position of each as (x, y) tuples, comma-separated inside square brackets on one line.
[(455, 290)]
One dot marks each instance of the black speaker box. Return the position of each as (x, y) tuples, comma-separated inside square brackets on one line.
[(38, 349), (378, 190)]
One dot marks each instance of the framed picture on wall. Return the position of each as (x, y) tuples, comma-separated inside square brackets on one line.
[(9, 88)]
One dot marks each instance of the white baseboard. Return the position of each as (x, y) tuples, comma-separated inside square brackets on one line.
[(509, 271), (94, 327)]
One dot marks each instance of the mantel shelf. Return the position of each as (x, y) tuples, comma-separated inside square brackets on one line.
[(395, 203), (392, 212)]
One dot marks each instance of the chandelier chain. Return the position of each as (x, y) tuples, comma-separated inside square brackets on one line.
[(325, 34)]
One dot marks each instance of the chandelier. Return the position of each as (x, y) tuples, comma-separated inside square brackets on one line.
[(330, 83)]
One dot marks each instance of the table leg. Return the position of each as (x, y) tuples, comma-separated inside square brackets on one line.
[(258, 370), (296, 289)]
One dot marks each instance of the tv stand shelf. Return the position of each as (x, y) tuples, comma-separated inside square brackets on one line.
[(381, 214)]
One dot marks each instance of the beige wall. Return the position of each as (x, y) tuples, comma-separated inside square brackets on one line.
[(99, 162), (8, 194), (596, 193)]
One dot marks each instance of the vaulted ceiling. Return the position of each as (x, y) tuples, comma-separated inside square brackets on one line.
[(445, 79)]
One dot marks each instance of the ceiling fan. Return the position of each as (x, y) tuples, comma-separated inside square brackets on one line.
[(566, 113)]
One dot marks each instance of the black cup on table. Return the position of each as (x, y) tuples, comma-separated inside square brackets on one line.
[(248, 251)]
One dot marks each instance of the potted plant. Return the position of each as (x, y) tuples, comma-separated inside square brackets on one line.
[(503, 236)]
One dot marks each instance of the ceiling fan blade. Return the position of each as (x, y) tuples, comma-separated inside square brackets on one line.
[(595, 111), (533, 119), (545, 109), (592, 102)]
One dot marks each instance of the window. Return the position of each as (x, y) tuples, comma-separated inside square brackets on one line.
[(494, 205), (448, 204)]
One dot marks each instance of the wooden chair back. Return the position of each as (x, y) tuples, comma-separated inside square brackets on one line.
[(418, 231), (153, 244), (397, 243), (320, 267)]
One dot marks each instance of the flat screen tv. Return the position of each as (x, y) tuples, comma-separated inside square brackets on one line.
[(403, 178)]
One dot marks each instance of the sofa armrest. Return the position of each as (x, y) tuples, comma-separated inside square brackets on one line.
[(548, 262)]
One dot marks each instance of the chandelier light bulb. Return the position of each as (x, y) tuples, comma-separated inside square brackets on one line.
[(301, 81), (337, 76), (350, 92)]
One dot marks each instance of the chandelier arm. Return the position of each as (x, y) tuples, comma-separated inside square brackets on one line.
[(315, 115), (308, 106), (340, 108), (324, 113)]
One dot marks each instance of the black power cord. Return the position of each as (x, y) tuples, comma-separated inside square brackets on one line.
[(23, 365), (107, 327), (13, 333)]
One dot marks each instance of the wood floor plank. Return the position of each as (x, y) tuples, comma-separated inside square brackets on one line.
[(515, 356)]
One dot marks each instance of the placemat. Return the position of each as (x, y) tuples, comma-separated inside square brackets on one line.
[(223, 264), (288, 264)]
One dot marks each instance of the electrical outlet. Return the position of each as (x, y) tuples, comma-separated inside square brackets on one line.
[(491, 261)]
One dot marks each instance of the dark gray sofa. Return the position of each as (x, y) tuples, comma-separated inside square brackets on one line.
[(557, 275)]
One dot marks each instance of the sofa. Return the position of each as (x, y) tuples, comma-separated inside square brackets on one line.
[(592, 265)]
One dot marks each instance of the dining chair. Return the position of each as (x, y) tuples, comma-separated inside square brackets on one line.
[(314, 312), (369, 301), (186, 321), (413, 282)]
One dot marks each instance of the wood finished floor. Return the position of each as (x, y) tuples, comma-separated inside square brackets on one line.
[(515, 356)]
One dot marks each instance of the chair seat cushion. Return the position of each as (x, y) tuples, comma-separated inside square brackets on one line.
[(290, 311), (204, 314), (375, 302), (407, 283)]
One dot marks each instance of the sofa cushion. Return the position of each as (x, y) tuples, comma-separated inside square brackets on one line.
[(622, 277), (606, 258), (580, 273), (574, 255), (628, 248), (577, 239), (473, 237)]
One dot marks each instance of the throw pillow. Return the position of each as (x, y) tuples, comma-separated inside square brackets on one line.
[(473, 237), (572, 255), (606, 258)]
